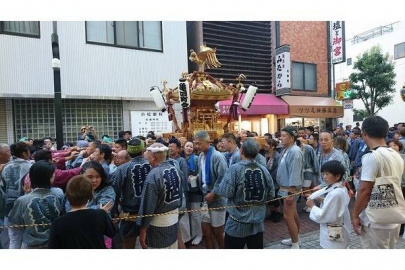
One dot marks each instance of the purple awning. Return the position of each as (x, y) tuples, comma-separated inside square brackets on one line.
[(262, 104)]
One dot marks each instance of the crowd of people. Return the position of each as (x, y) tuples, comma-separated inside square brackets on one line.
[(71, 196)]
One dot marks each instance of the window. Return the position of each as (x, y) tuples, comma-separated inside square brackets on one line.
[(349, 61), (399, 50), (26, 28), (304, 76), (137, 35), (35, 118)]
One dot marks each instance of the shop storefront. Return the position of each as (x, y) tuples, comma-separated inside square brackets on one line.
[(306, 111), (261, 117)]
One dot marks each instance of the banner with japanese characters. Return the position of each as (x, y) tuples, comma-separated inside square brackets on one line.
[(144, 121), (337, 40), (283, 70)]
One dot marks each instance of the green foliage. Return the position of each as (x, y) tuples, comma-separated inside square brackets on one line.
[(360, 113), (373, 81)]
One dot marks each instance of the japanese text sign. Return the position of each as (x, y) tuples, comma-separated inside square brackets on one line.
[(144, 121), (283, 70), (337, 39)]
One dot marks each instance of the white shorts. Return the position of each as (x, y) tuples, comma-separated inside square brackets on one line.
[(215, 217)]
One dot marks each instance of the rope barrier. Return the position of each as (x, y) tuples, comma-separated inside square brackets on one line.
[(134, 217)]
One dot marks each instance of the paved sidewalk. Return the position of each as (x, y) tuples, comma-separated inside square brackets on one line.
[(311, 241)]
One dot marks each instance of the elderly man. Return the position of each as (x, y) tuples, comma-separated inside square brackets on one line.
[(161, 194), (212, 168), (119, 158), (128, 181), (328, 153), (246, 182)]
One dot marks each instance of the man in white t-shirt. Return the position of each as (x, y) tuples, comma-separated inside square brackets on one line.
[(375, 235)]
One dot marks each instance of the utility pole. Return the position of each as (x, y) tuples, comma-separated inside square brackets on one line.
[(57, 86)]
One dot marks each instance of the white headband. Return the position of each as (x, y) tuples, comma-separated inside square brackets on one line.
[(157, 149)]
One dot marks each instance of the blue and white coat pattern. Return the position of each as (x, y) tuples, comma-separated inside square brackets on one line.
[(246, 182)]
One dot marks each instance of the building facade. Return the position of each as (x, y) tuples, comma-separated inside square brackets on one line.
[(391, 39), (107, 70), (310, 102), (250, 48)]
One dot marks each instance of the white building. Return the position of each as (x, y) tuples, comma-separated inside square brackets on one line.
[(391, 38), (107, 69)]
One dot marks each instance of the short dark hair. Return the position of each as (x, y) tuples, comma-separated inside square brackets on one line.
[(250, 148), (128, 132), (99, 169), (176, 142), (229, 137), (17, 149), (41, 173), (122, 142), (79, 190), (375, 127), (334, 167), (106, 150), (301, 128), (95, 142), (121, 134), (316, 136), (397, 142), (43, 155), (160, 140), (311, 128), (268, 135)]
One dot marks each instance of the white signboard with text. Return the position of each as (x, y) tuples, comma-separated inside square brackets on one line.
[(337, 39), (283, 70), (348, 104), (144, 121)]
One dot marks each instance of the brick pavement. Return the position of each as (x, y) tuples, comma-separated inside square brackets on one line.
[(277, 231), (311, 241)]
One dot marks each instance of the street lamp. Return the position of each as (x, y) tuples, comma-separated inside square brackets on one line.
[(57, 87)]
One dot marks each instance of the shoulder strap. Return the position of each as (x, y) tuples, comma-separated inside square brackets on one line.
[(378, 156)]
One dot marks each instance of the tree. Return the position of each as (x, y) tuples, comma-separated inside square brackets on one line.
[(373, 81)]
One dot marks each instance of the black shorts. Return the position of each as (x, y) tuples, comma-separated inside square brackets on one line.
[(129, 229)]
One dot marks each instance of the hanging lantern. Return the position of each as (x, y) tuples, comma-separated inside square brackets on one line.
[(158, 98), (250, 95)]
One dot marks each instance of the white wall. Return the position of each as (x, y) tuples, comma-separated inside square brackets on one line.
[(117, 72), (26, 65), (395, 112), (89, 71)]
